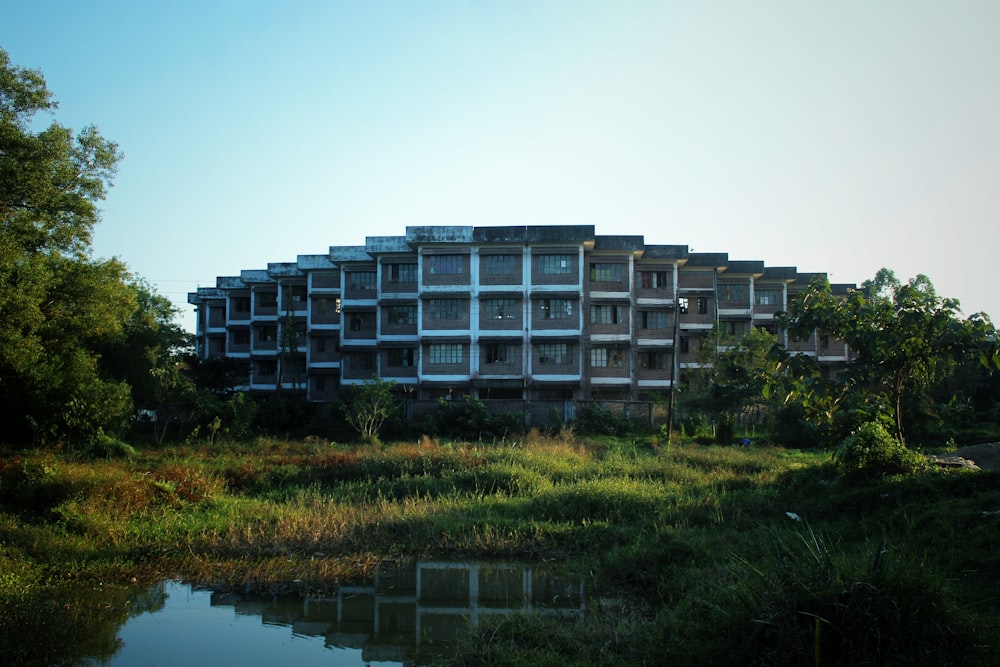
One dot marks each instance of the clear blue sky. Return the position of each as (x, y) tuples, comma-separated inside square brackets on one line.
[(838, 136)]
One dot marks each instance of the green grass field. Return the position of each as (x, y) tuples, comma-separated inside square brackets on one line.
[(695, 554)]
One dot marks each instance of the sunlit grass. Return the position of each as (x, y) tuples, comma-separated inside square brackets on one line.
[(662, 526)]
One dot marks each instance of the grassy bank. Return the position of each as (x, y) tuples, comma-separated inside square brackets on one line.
[(701, 554)]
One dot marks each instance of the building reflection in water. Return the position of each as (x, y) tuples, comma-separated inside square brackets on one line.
[(416, 606)]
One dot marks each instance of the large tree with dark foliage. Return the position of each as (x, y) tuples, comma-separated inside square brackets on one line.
[(905, 341), (74, 330)]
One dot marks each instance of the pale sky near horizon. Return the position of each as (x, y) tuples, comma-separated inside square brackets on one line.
[(836, 136)]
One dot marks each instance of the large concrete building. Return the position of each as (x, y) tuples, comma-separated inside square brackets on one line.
[(527, 313)]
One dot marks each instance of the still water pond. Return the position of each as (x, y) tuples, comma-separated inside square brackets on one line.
[(411, 610)]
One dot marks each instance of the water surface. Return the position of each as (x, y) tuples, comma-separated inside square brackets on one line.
[(411, 610)]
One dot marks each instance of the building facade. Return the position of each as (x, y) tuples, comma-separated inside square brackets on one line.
[(543, 312)]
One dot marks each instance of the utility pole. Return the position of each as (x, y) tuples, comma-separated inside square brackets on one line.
[(674, 370)]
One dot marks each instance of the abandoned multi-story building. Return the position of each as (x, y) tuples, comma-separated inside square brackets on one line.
[(537, 312)]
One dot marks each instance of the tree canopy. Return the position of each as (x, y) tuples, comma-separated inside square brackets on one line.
[(730, 379), (904, 340), (78, 335)]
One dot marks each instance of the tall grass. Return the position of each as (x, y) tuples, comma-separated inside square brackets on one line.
[(693, 539)]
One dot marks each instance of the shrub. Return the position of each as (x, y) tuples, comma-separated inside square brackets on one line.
[(470, 420), (597, 420), (103, 446), (872, 452)]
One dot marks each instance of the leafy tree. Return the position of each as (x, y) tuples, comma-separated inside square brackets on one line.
[(152, 349), (904, 339), (57, 305), (731, 378), (367, 407)]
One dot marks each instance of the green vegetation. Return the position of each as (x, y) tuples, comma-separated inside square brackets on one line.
[(872, 451), (915, 359), (82, 341), (702, 555), (695, 554)]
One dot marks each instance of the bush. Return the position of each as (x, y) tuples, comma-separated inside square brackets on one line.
[(103, 446), (597, 420), (872, 452), (470, 420)]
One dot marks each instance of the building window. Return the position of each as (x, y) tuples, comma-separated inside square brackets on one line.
[(653, 319), (292, 334), (445, 353), (606, 357), (446, 265), (362, 361), (653, 279), (402, 273), (402, 315), (241, 304), (267, 334), (735, 328), (554, 354), (267, 299), (322, 344), (319, 383), (702, 305), (500, 353), (605, 273), (241, 337), (685, 345), (551, 265), (297, 295), (556, 309), (606, 314), (682, 304), (500, 265), (500, 309), (362, 321), (766, 297), (267, 368), (362, 280), (444, 309), (401, 357), (654, 361), (732, 292), (324, 307)]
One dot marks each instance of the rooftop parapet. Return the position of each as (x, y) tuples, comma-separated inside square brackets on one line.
[(284, 270), (803, 279), (673, 252), (315, 263), (707, 260), (349, 253), (208, 293), (438, 234), (635, 244), (500, 234), (386, 244), (230, 282), (781, 273), (560, 234), (250, 276), (745, 267)]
